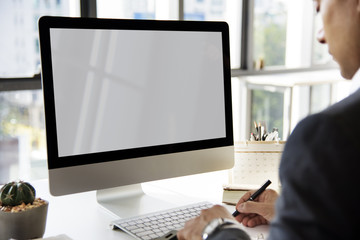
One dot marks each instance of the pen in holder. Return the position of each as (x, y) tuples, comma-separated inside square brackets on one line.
[(256, 161)]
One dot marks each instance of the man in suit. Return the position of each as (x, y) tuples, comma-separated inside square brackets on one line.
[(321, 161)]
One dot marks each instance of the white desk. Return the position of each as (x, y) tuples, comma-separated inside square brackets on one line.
[(79, 216)]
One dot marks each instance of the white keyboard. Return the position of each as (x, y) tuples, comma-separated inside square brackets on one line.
[(157, 224)]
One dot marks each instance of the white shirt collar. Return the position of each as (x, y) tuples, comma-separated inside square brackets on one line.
[(355, 85)]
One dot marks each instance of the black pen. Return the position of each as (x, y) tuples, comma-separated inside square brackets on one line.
[(254, 195)]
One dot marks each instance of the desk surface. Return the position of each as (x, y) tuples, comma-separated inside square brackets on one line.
[(79, 216)]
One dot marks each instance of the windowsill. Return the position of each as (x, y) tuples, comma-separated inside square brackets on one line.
[(296, 79)]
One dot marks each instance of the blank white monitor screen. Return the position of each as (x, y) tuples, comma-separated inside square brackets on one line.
[(132, 89)]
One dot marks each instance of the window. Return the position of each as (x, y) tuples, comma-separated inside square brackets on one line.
[(22, 130), (265, 109), (284, 35), (20, 56), (270, 21), (22, 134), (282, 40)]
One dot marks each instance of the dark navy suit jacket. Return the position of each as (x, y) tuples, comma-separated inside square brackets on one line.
[(320, 177)]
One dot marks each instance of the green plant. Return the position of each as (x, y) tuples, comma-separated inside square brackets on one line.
[(16, 193)]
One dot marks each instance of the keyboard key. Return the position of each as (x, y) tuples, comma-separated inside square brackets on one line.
[(131, 227)]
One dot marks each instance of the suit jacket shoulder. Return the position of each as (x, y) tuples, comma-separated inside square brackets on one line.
[(319, 166)]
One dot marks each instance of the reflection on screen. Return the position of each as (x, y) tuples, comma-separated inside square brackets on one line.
[(123, 89)]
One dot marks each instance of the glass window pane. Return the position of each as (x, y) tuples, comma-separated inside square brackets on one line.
[(219, 10), (267, 109), (18, 22), (283, 34), (138, 9), (270, 19), (22, 135)]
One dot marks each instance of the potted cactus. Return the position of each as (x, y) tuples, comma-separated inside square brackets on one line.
[(22, 215)]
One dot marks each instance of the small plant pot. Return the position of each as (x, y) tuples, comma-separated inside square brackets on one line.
[(28, 224)]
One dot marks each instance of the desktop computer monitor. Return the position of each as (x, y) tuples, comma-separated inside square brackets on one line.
[(132, 101)]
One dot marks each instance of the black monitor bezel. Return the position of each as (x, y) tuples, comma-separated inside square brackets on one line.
[(48, 22)]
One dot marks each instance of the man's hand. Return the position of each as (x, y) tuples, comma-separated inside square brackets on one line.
[(258, 212), (194, 227)]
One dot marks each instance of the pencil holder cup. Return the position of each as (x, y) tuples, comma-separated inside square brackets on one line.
[(255, 162)]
